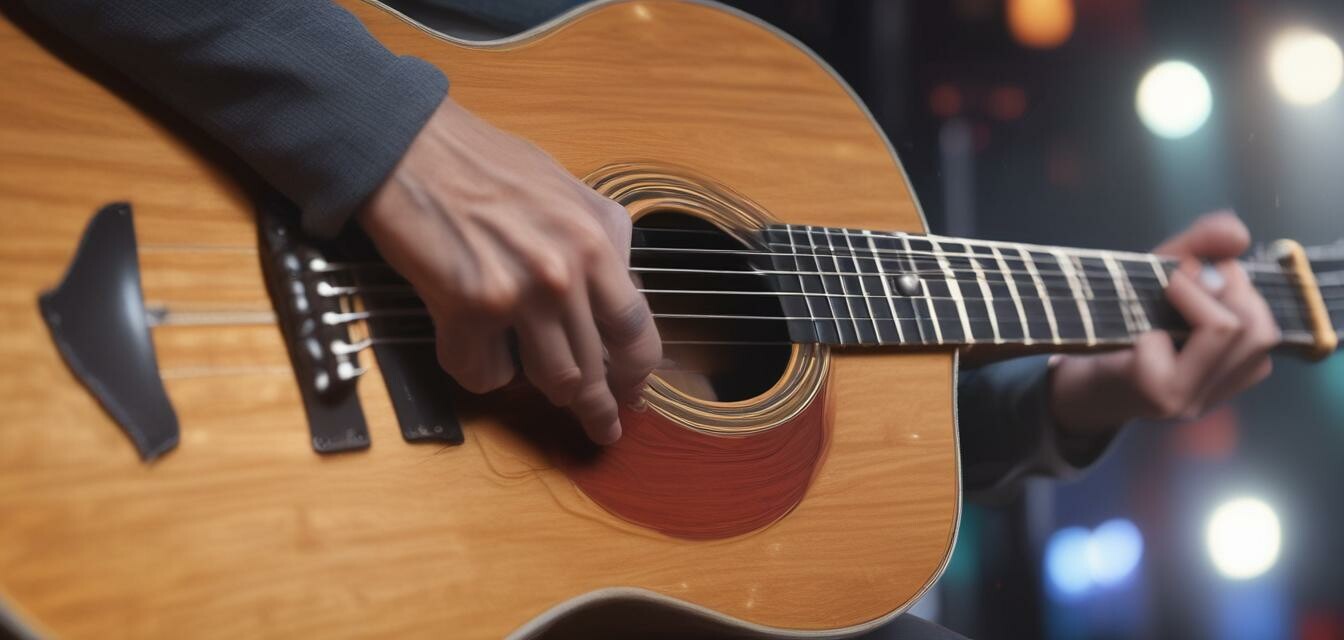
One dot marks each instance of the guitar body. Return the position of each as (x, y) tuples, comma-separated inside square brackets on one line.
[(243, 530)]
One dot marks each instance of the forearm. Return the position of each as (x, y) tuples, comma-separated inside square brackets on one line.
[(298, 89)]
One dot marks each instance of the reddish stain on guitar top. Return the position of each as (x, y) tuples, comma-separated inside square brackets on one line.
[(689, 484)]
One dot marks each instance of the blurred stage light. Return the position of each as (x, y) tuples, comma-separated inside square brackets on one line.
[(1077, 560), (1040, 24), (1305, 66), (1173, 100), (1113, 551), (1243, 538), (945, 101), (1066, 563), (1007, 102)]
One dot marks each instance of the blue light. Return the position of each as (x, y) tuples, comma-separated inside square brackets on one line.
[(1066, 562), (1113, 551)]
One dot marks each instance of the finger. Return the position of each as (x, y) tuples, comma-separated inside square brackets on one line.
[(615, 221), (1214, 330), (1154, 367), (1247, 361), (475, 354), (626, 325), (593, 403), (1214, 235), (547, 358), (1251, 377)]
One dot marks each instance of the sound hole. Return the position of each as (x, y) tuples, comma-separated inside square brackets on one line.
[(723, 330)]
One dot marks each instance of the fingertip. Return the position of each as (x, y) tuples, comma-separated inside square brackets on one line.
[(606, 435), (1226, 235)]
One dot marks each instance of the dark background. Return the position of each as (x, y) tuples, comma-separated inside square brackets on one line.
[(1013, 142)]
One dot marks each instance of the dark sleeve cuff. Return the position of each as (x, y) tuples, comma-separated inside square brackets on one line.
[(360, 158), (1007, 429)]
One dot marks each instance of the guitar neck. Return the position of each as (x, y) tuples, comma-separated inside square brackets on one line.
[(858, 287)]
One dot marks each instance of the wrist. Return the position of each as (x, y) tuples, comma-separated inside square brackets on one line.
[(1086, 398)]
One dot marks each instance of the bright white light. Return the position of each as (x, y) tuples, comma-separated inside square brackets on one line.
[(1243, 538), (1113, 551), (1066, 561), (1174, 99), (1306, 66)]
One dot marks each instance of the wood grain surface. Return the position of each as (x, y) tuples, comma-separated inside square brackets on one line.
[(245, 531)]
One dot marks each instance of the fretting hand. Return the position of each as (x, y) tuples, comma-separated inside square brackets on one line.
[(1232, 332), (494, 235)]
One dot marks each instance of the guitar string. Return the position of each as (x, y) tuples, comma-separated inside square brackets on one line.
[(331, 267), (1291, 308), (932, 266), (1101, 271), (1112, 327), (1289, 303)]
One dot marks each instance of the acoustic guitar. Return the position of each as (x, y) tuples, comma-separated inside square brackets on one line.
[(215, 426)]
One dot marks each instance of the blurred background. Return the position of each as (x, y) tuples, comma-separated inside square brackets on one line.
[(1112, 124)]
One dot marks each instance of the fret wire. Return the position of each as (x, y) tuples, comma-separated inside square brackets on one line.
[(1046, 304), (928, 301), (1079, 296), (844, 289), (802, 286), (954, 291), (1136, 316), (989, 300), (863, 288), (807, 233), (886, 290), (1016, 295)]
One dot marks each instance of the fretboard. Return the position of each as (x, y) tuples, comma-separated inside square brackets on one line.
[(857, 287)]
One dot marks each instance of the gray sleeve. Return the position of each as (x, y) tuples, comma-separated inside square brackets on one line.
[(297, 88), (1007, 431)]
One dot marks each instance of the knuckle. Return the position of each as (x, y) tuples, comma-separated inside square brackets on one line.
[(554, 273), (588, 243), (629, 325), (594, 403), (482, 380), (496, 298), (1267, 337), (560, 385), (1224, 325)]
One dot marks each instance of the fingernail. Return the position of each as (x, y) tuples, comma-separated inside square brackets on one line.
[(1211, 278)]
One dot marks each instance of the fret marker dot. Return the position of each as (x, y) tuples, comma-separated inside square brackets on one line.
[(907, 284)]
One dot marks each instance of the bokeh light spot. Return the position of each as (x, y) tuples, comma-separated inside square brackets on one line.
[(1008, 102), (945, 101), (1066, 562), (1040, 24), (1113, 551), (1243, 538), (1174, 99), (1305, 66)]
